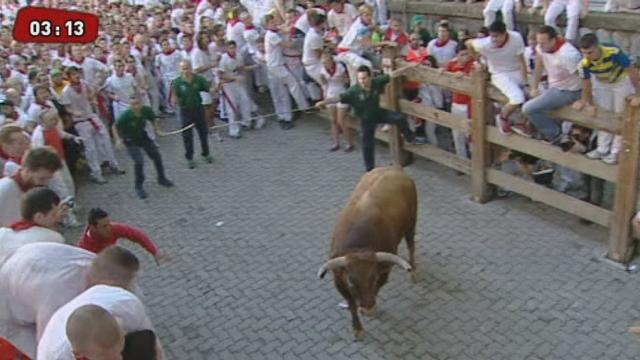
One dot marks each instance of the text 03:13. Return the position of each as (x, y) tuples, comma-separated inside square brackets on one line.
[(47, 28)]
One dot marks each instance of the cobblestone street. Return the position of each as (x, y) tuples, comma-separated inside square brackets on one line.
[(511, 279)]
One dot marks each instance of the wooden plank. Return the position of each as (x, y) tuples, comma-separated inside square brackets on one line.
[(391, 95), (550, 197), (481, 158), (554, 154), (594, 20), (444, 79), (434, 115), (441, 156), (605, 120), (621, 244)]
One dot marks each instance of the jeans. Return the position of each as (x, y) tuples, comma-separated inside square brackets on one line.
[(195, 117), (369, 131), (537, 109), (135, 151)]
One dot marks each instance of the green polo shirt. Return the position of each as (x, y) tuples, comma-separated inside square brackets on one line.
[(188, 92), (132, 126), (365, 103)]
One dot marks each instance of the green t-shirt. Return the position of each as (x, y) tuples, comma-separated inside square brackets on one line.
[(188, 93), (366, 104), (132, 126)]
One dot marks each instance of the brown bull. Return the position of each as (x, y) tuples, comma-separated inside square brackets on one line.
[(381, 211)]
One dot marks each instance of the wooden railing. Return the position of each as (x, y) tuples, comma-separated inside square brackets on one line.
[(486, 137)]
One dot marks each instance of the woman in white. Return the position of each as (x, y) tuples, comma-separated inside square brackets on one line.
[(334, 79)]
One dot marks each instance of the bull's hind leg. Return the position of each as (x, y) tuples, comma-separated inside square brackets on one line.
[(409, 237), (356, 325)]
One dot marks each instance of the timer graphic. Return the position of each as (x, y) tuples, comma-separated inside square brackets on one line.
[(47, 25)]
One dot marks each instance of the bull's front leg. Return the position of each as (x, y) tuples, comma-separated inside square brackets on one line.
[(356, 325)]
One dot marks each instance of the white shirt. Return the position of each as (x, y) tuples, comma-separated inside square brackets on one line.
[(503, 59), (228, 65), (562, 67), (251, 37), (273, 49), (169, 64), (352, 40), (200, 58), (342, 21), (302, 23), (122, 304), (176, 17), (335, 81), (11, 200), (35, 109), (10, 240), (77, 102), (235, 32), (444, 53), (34, 282), (312, 43), (123, 87)]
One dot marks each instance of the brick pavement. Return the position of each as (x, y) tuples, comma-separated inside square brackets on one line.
[(510, 279)]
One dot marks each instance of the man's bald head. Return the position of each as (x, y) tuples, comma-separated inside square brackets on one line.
[(94, 333), (115, 266)]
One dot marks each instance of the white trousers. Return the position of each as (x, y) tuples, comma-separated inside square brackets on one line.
[(166, 94), (504, 6), (573, 8), (611, 97), (353, 62), (118, 108), (511, 84), (459, 136), (382, 9), (62, 182), (238, 105), (97, 145), (281, 84)]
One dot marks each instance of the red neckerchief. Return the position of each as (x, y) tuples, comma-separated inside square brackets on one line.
[(102, 59), (232, 56), (333, 69), (77, 86), (22, 225), (17, 177), (23, 72), (43, 104), (188, 50), (169, 52), (234, 21), (6, 156), (79, 62), (442, 43), (249, 27), (274, 30), (504, 43), (559, 43)]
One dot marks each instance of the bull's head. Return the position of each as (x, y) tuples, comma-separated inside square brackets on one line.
[(362, 274)]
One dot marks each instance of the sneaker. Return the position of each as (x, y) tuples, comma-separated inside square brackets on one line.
[(208, 159), (610, 159), (97, 179), (503, 125), (260, 123), (335, 147), (165, 182), (522, 130), (235, 136), (191, 164), (287, 125), (595, 155), (349, 148), (141, 193)]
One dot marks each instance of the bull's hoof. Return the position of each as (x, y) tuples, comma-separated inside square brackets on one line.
[(358, 334), (414, 276), (372, 312)]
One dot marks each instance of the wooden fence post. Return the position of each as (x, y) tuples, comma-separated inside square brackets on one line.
[(621, 244), (481, 155), (392, 92)]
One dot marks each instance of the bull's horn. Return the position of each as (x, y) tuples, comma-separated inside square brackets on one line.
[(332, 265), (394, 259)]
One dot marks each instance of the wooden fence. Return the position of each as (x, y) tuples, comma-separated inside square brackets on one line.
[(485, 137)]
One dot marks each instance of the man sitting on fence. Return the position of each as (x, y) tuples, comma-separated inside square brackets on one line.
[(504, 52), (364, 97), (560, 60)]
